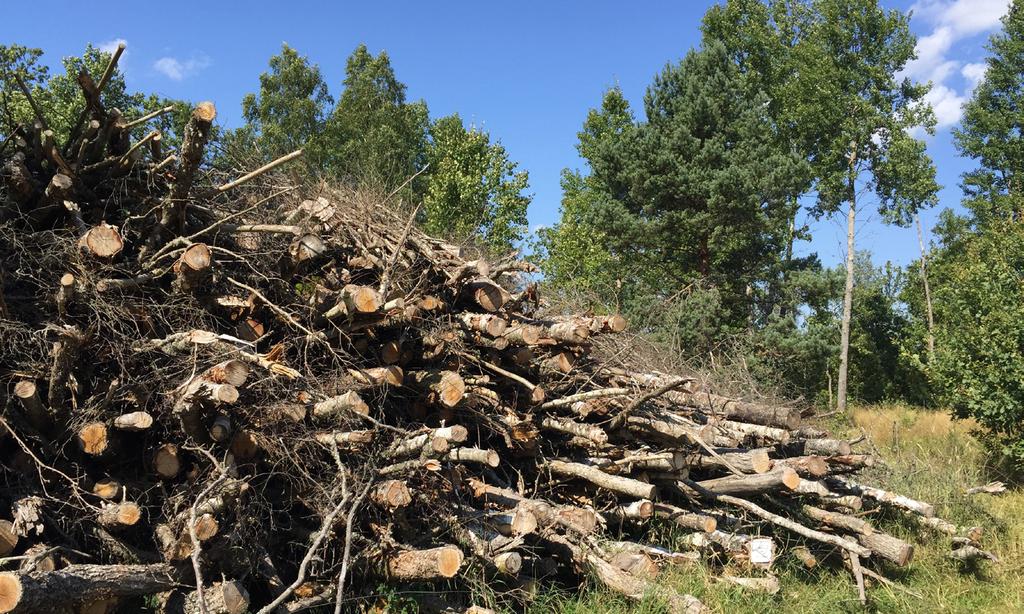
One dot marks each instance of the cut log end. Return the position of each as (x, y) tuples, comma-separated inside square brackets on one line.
[(10, 592), (166, 461), (205, 112), (93, 438), (432, 564), (392, 494), (102, 241), (107, 489)]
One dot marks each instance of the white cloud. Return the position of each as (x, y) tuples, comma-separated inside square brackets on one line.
[(974, 73), (964, 17), (951, 21), (110, 46), (177, 70), (946, 103)]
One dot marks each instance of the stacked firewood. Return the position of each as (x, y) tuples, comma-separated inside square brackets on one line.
[(220, 396)]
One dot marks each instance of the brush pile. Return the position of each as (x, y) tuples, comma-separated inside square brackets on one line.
[(222, 397)]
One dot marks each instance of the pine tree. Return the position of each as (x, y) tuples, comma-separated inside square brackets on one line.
[(699, 191)]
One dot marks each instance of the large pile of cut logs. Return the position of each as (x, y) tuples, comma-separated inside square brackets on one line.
[(219, 396)]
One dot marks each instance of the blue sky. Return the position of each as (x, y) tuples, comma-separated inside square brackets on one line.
[(528, 72)]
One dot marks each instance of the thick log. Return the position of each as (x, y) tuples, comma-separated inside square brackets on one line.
[(882, 496), (65, 357), (486, 294), (220, 428), (969, 554), (741, 431), (107, 489), (65, 293), (167, 461), (783, 478), (523, 334), (80, 584), (684, 518), (475, 455), (837, 520), (486, 323), (346, 439), (134, 421), (826, 447), (193, 269), (94, 439), (447, 387), (372, 377), (306, 247), (424, 565), (590, 432), (102, 241), (519, 521), (748, 461), (639, 510), (355, 300), (27, 394), (812, 467), (348, 402), (614, 483), (570, 333), (888, 547), (742, 411), (391, 494), (193, 144), (639, 564), (124, 514), (232, 372)]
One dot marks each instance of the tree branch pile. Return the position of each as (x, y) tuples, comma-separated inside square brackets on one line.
[(233, 398)]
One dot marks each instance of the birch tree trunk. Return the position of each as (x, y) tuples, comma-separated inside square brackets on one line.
[(927, 289), (844, 339)]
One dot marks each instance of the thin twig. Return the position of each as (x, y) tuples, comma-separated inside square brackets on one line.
[(325, 528), (620, 419)]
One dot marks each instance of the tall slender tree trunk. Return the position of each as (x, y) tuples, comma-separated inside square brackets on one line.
[(927, 290), (844, 337), (785, 307)]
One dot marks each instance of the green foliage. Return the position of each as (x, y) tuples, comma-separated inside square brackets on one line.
[(472, 189), (829, 69), (575, 254), (992, 129), (291, 108), (979, 310), (60, 99), (700, 192), (375, 136)]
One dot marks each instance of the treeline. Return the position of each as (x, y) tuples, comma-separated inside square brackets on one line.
[(690, 209)]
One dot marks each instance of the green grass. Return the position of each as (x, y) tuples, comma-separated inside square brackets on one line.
[(928, 457)]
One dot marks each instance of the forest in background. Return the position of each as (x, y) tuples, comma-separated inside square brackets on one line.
[(684, 217)]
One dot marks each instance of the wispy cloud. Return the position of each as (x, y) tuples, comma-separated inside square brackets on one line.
[(951, 21), (177, 70), (110, 46)]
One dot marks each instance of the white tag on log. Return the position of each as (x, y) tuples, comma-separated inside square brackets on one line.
[(762, 551)]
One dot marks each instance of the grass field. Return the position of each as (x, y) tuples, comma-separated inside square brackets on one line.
[(928, 457)]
